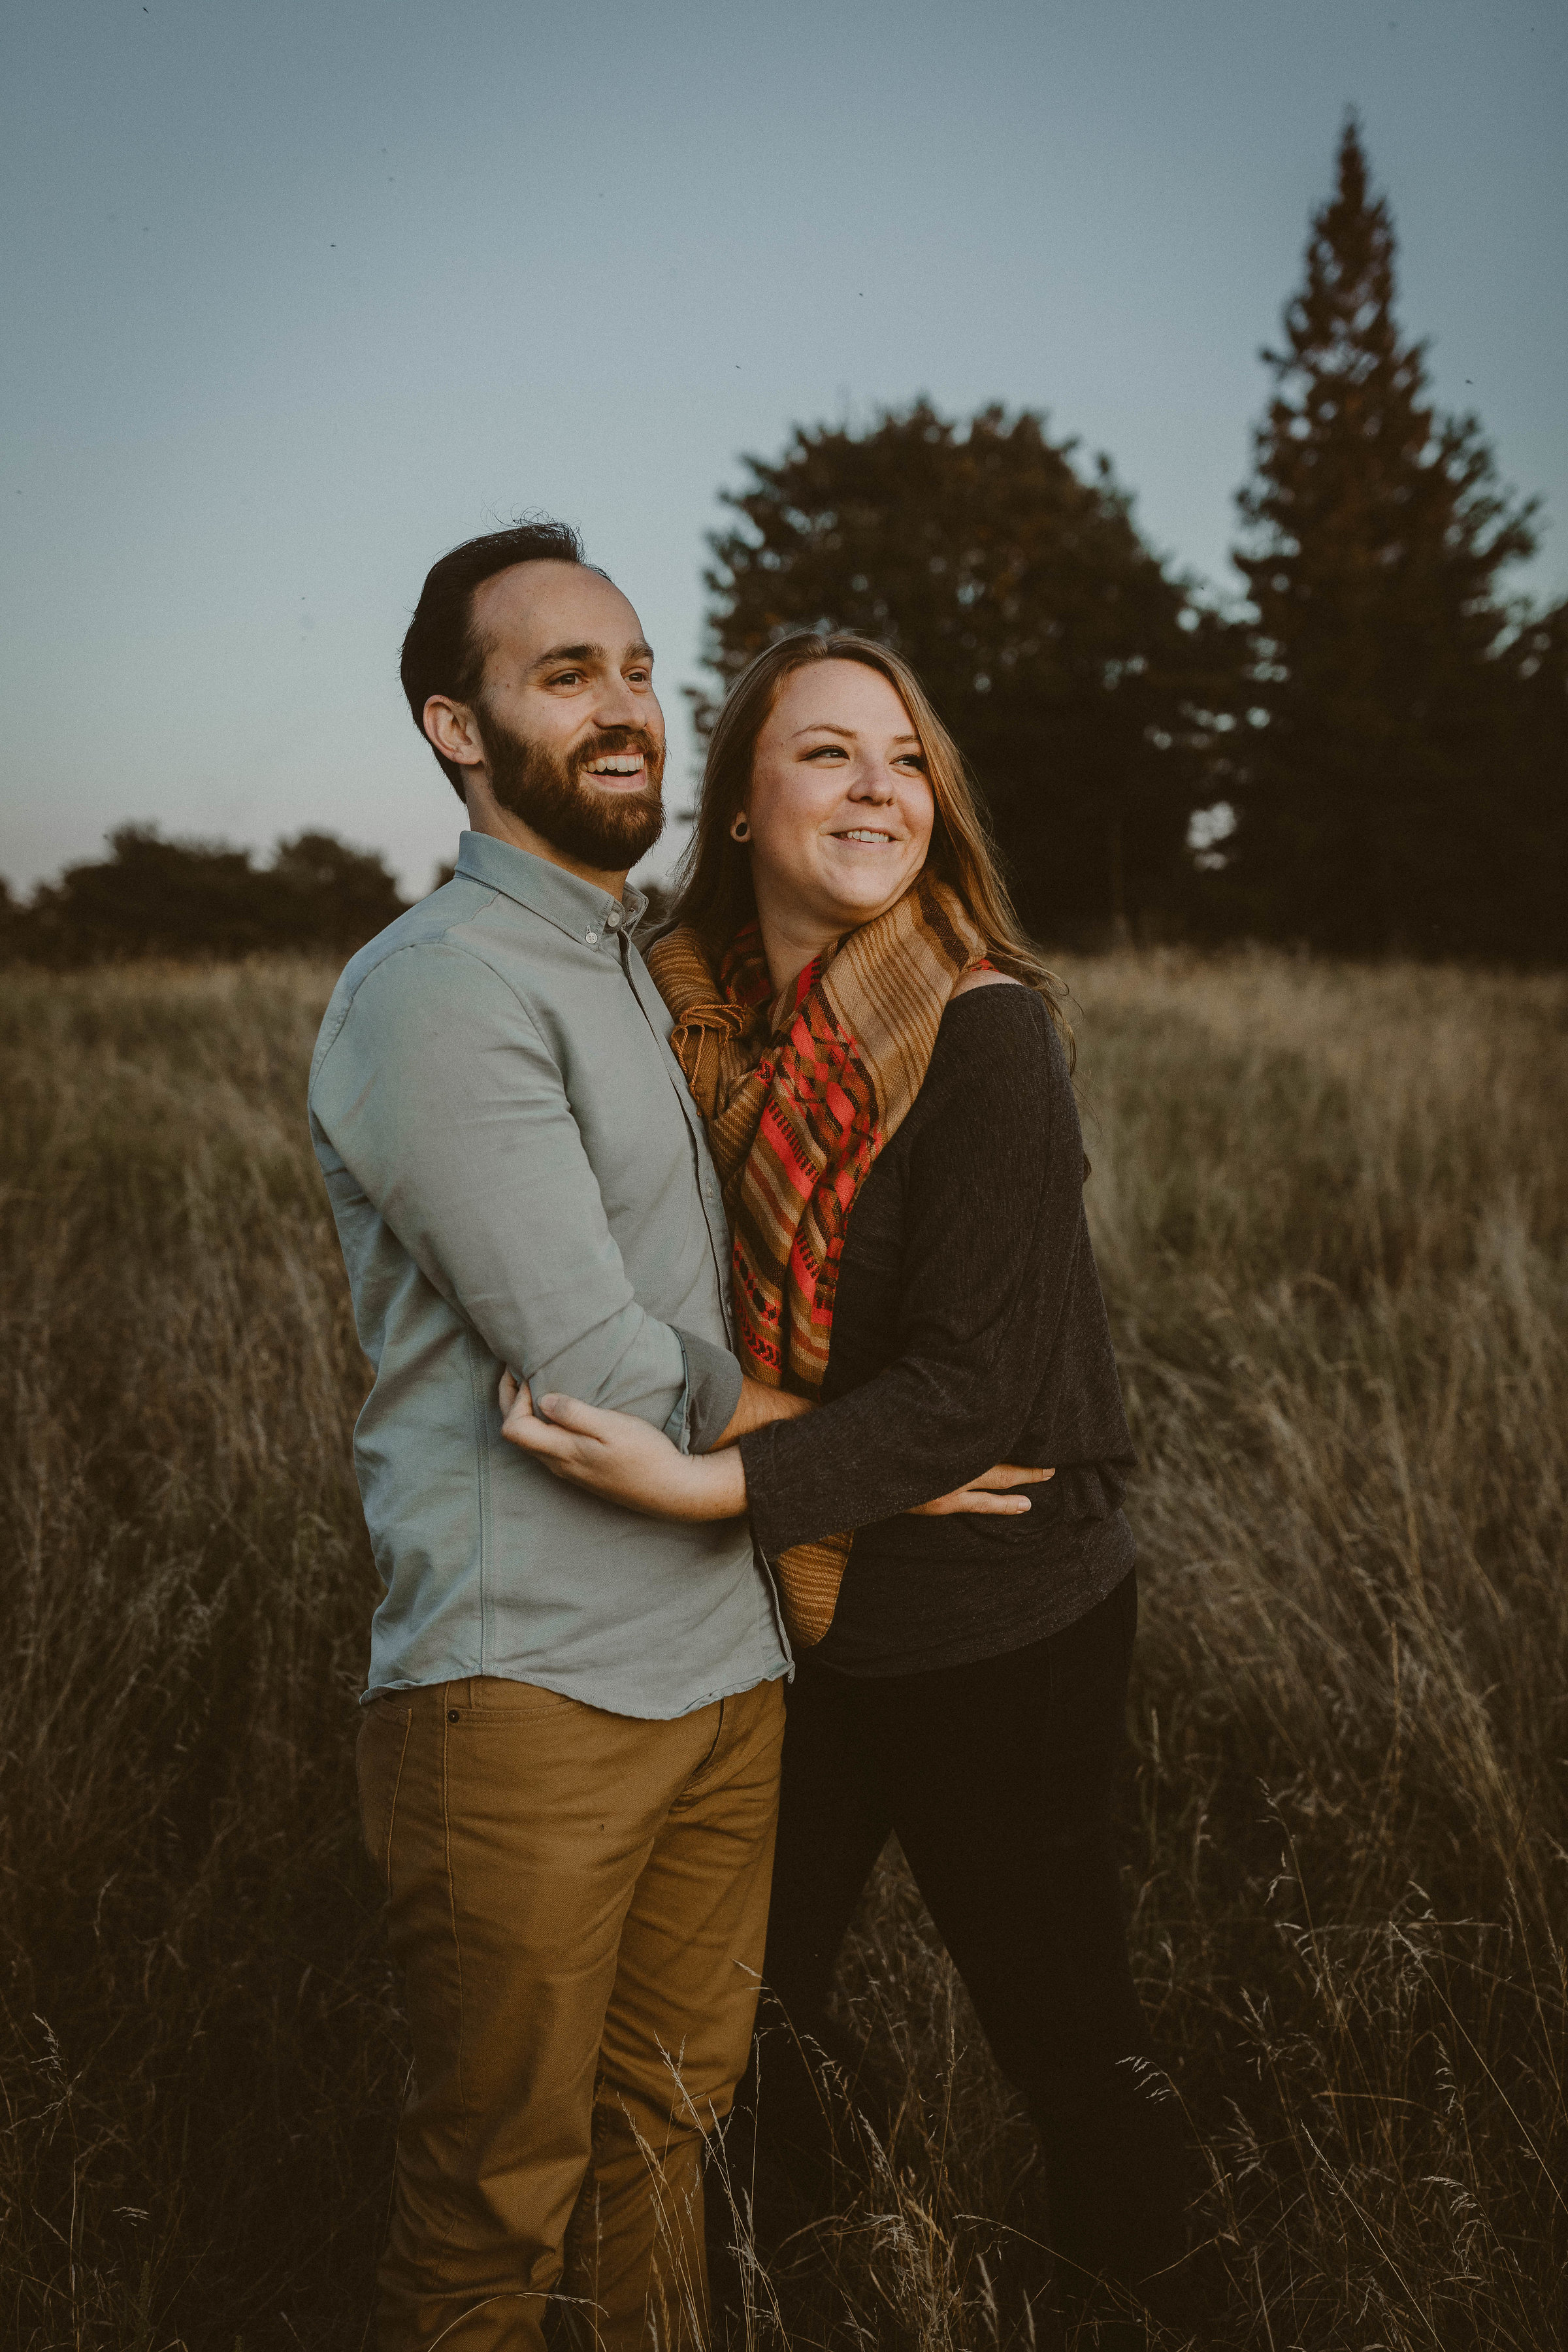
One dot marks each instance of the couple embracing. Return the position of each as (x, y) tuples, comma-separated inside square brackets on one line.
[(743, 1460)]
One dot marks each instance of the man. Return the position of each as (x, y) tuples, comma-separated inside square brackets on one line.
[(569, 1754)]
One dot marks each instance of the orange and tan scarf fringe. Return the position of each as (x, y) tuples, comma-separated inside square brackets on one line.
[(799, 1092)]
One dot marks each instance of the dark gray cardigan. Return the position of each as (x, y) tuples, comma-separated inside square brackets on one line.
[(969, 1328)]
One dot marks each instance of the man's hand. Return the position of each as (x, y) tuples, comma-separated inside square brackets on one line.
[(616, 1456), (981, 1495)]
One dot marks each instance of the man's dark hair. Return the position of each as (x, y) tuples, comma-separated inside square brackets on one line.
[(441, 653)]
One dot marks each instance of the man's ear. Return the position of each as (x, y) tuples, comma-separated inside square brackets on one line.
[(454, 731)]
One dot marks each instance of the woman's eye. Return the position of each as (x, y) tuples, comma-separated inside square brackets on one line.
[(828, 752)]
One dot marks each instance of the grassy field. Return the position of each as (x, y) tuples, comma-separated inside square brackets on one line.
[(1332, 1211)]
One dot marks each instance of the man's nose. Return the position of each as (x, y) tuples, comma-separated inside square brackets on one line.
[(615, 705)]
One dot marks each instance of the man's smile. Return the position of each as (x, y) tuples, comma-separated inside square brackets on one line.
[(618, 769)]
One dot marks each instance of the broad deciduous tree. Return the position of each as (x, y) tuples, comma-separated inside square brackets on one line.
[(1088, 690)]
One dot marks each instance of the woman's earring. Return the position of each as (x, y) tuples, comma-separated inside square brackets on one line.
[(741, 830)]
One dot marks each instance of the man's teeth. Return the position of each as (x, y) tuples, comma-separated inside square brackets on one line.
[(627, 764)]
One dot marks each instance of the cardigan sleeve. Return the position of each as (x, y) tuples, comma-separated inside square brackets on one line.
[(993, 1223)]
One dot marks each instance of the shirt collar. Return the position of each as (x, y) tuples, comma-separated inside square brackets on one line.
[(579, 908)]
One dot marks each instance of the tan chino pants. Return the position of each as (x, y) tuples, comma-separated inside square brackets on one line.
[(578, 1904)]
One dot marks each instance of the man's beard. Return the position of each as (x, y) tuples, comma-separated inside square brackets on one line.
[(605, 829)]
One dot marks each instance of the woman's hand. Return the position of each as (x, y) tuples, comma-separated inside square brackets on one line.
[(618, 1456), (981, 1495)]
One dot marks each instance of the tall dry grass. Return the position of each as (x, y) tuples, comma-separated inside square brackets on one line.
[(1332, 1213)]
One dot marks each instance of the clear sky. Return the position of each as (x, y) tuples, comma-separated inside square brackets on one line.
[(296, 296)]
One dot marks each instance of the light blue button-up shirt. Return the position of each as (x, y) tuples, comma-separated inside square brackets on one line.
[(519, 1177)]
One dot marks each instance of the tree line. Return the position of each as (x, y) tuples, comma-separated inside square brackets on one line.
[(151, 897), (1370, 756)]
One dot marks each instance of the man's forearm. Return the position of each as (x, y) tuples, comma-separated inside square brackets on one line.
[(756, 1407)]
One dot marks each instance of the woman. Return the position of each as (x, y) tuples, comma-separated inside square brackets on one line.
[(883, 1067)]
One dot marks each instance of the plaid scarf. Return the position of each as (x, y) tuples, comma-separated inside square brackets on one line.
[(799, 1092)]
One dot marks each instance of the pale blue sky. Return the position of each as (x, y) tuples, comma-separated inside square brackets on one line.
[(298, 296)]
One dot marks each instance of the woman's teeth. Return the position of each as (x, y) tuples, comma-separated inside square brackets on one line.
[(864, 833)]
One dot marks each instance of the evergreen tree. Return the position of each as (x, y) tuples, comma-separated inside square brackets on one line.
[(1079, 679), (1377, 810), (1533, 900)]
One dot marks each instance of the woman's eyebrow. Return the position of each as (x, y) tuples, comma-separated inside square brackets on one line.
[(826, 727)]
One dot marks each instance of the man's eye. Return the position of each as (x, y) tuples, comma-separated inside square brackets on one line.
[(566, 677)]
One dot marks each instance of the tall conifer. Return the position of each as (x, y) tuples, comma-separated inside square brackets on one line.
[(1374, 814)]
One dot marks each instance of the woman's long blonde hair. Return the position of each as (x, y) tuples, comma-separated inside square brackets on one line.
[(713, 883)]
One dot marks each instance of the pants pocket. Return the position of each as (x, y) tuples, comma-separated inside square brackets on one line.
[(378, 1760), (496, 1699)]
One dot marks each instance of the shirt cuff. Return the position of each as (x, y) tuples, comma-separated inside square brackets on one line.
[(706, 1405)]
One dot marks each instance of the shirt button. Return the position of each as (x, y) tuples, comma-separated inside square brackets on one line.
[(592, 938), (612, 921)]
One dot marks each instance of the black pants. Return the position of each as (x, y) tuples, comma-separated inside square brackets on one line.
[(998, 1778)]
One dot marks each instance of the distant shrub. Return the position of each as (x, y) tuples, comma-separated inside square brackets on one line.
[(187, 899)]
